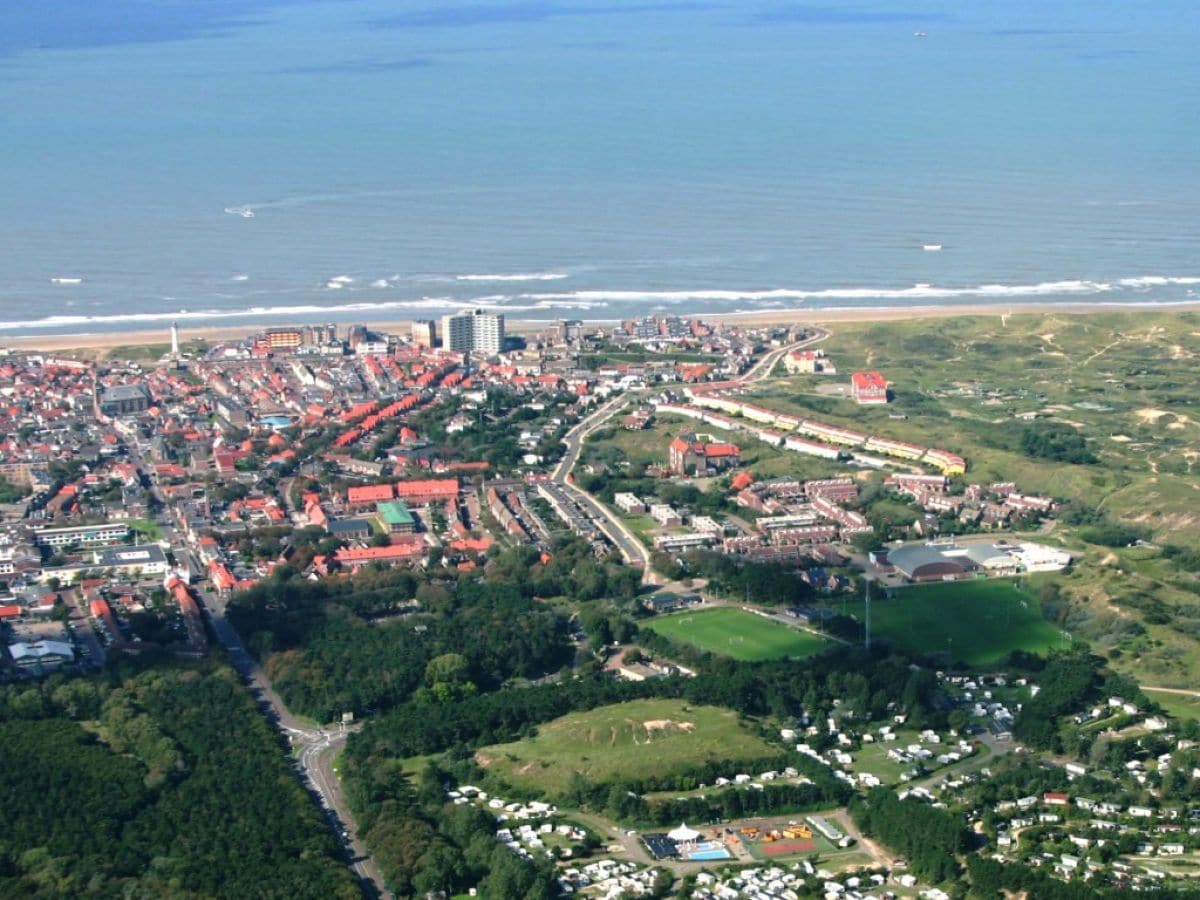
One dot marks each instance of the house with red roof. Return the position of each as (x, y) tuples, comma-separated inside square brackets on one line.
[(367, 495), (356, 557), (689, 455), (868, 388)]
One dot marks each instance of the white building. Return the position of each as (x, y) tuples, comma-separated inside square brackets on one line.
[(43, 654), (476, 330), (631, 504)]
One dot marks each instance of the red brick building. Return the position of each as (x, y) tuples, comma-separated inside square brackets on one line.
[(689, 455)]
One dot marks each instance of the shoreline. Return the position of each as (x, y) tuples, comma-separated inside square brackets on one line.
[(108, 340)]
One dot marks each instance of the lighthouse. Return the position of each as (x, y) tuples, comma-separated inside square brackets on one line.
[(174, 339)]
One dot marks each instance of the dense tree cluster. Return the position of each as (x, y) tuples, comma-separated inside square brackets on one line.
[(623, 800), (927, 837), (1055, 441), (1068, 680), (325, 658), (493, 436), (782, 688), (11, 493), (174, 778), (991, 879), (763, 582), (424, 846)]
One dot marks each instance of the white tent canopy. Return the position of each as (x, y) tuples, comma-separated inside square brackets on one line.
[(684, 835)]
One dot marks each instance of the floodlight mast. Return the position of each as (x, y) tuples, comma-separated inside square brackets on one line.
[(867, 597)]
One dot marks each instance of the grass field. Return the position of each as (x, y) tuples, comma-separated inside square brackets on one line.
[(1179, 706), (733, 632), (1124, 381), (635, 739), (975, 622)]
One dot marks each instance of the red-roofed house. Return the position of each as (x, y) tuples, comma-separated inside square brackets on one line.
[(428, 491), (688, 455), (741, 481), (354, 557), (369, 494), (476, 545), (868, 387)]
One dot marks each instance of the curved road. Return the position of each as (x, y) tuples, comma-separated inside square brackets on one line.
[(627, 543)]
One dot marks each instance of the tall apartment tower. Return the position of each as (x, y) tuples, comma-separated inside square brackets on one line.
[(476, 330), (424, 333)]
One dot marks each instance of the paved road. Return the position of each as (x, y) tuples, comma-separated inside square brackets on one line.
[(765, 366), (315, 747), (82, 627), (630, 548)]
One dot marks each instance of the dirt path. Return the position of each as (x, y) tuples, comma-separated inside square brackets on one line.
[(1167, 690)]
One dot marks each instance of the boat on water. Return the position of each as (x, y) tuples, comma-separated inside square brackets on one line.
[(920, 34), (933, 248), (66, 280), (244, 211)]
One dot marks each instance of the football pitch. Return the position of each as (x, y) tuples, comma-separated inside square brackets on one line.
[(975, 622), (733, 632)]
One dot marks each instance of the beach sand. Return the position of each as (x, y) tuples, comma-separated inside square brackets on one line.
[(102, 342)]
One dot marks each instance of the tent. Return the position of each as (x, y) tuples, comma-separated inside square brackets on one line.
[(684, 835)]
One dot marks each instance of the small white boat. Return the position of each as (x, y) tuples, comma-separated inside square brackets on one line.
[(66, 280), (931, 247), (920, 34)]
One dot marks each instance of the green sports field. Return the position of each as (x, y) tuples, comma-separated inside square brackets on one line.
[(637, 739), (729, 631), (976, 622)]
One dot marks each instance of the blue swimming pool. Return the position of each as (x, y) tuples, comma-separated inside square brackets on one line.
[(702, 855), (277, 421)]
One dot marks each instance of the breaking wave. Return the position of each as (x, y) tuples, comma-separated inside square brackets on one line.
[(916, 292), (261, 312), (1117, 292), (520, 276)]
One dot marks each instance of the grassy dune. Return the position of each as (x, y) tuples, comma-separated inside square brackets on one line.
[(637, 739)]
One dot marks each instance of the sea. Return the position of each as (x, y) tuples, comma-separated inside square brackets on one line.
[(281, 161)]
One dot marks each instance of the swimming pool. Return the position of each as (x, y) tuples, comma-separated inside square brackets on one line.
[(709, 850), (277, 422)]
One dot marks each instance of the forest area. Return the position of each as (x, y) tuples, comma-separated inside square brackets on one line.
[(155, 782)]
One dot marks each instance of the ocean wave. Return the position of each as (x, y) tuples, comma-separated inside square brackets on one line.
[(916, 292), (1157, 281), (259, 312), (519, 276)]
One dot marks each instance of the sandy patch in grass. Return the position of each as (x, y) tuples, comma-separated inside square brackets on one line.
[(1151, 415), (656, 726)]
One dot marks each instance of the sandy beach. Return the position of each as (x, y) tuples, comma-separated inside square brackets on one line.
[(106, 341)]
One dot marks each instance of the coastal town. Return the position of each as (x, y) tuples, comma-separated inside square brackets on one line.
[(133, 485), (496, 450), (145, 497)]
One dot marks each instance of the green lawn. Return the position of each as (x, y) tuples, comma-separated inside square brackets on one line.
[(146, 529), (1178, 706), (976, 622), (729, 631), (629, 740)]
